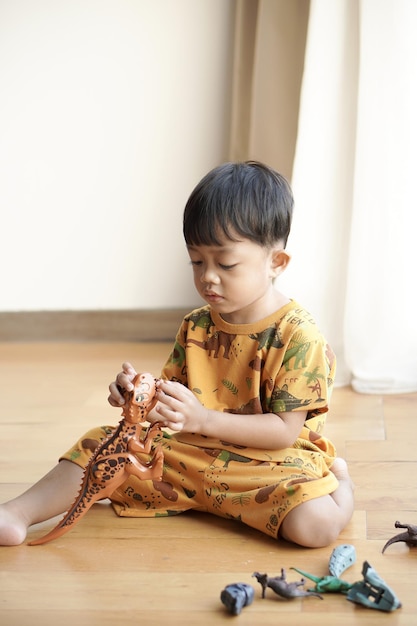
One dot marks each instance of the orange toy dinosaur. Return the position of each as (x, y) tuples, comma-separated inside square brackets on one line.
[(115, 459)]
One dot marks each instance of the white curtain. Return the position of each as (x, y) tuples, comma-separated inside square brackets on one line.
[(354, 240)]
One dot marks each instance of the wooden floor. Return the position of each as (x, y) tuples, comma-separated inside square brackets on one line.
[(171, 571)]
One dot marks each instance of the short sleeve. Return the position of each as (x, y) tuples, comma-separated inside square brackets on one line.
[(175, 367), (305, 380)]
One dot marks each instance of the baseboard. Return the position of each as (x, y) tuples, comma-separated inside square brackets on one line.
[(132, 325)]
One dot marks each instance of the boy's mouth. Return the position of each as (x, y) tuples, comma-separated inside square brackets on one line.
[(210, 296)]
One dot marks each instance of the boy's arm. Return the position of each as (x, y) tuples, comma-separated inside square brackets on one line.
[(272, 431), (180, 410)]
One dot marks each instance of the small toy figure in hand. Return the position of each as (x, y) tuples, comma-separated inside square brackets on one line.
[(115, 458)]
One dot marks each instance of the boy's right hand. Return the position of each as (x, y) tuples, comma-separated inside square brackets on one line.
[(123, 381)]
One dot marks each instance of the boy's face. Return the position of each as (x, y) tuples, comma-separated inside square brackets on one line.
[(236, 278)]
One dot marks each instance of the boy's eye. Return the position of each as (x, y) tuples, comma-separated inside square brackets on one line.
[(227, 267), (195, 263)]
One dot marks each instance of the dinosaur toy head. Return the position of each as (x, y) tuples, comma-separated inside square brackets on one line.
[(141, 400)]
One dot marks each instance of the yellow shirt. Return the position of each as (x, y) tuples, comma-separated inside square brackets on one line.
[(281, 363)]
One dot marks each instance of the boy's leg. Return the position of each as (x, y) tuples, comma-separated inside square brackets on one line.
[(318, 522), (51, 495)]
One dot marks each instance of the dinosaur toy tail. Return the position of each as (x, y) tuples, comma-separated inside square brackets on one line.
[(56, 532), (401, 537), (76, 511)]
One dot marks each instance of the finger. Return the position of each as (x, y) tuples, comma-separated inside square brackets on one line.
[(171, 389), (166, 411), (174, 426), (168, 404), (169, 418), (114, 402), (129, 369), (124, 381), (116, 397)]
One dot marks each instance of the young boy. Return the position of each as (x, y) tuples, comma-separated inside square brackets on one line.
[(245, 389)]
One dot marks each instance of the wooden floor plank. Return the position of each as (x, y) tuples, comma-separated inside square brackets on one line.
[(110, 570)]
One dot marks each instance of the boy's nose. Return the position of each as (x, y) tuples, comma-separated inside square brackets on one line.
[(209, 276)]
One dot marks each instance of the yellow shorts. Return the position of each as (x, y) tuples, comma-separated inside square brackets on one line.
[(221, 481)]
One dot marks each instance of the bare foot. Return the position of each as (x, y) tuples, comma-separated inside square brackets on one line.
[(13, 527), (50, 496)]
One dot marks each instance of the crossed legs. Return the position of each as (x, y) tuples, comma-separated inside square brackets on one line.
[(313, 524)]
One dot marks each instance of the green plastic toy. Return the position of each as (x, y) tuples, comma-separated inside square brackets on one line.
[(373, 592), (326, 584)]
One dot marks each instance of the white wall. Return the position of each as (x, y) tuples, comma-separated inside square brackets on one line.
[(110, 113)]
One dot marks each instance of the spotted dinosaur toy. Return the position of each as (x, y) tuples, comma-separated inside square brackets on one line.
[(115, 459)]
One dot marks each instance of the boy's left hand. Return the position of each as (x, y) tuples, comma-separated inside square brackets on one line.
[(178, 408)]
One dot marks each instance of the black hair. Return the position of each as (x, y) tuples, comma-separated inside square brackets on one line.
[(249, 200)]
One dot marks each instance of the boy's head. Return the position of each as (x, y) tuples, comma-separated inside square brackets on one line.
[(248, 200)]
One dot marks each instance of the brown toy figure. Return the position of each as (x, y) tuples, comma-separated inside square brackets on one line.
[(280, 586), (410, 537), (115, 458)]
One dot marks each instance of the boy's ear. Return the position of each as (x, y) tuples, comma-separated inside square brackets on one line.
[(279, 261)]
